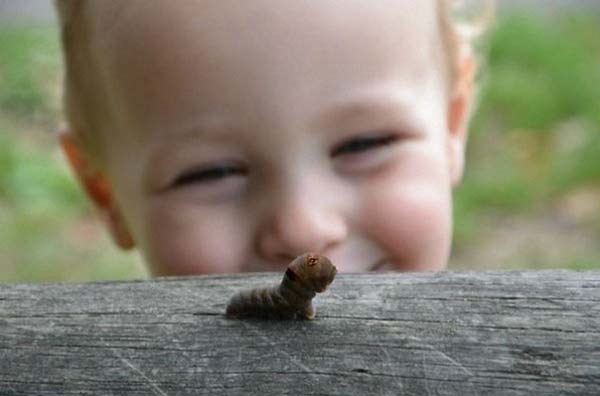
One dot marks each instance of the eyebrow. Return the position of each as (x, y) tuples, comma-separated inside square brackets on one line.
[(203, 126), (362, 106)]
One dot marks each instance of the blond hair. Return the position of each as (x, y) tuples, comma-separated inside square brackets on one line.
[(85, 97), (86, 103)]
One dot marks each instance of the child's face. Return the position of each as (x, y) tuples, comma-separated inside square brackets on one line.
[(249, 132)]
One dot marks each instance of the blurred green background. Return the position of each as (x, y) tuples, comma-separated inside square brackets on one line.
[(530, 198)]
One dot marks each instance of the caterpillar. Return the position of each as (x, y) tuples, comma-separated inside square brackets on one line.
[(306, 276)]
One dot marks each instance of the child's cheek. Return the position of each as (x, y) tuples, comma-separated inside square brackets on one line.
[(412, 223), (191, 241)]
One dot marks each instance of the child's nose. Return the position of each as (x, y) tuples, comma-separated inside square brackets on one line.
[(296, 224)]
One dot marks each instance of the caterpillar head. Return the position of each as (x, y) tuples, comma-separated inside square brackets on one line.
[(314, 271)]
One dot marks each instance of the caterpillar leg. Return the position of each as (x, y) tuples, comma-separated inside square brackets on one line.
[(232, 312), (309, 312)]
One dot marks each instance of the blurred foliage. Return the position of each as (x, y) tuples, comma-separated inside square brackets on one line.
[(29, 59), (536, 131), (47, 229), (47, 232), (34, 181), (535, 138), (543, 71)]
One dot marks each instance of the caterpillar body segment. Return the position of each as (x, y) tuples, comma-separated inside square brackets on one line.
[(306, 276), (268, 302)]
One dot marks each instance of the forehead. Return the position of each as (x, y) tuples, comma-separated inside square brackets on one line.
[(152, 46), (260, 15)]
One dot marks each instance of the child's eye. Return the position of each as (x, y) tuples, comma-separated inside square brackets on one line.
[(209, 175), (362, 144)]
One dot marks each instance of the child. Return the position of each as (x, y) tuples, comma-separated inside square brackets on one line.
[(222, 136)]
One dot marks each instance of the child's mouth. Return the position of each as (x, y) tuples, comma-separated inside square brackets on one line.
[(383, 264)]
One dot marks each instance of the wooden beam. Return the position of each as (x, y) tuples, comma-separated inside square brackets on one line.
[(516, 333)]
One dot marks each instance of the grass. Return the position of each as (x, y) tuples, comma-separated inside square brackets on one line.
[(535, 138)]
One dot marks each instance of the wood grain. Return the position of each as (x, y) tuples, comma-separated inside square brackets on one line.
[(517, 333)]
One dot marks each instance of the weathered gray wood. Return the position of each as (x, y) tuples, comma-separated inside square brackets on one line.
[(517, 333)]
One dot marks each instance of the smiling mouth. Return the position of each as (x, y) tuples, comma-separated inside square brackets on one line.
[(383, 264)]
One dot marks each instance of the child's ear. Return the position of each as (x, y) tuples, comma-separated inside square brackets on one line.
[(458, 116), (97, 188)]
